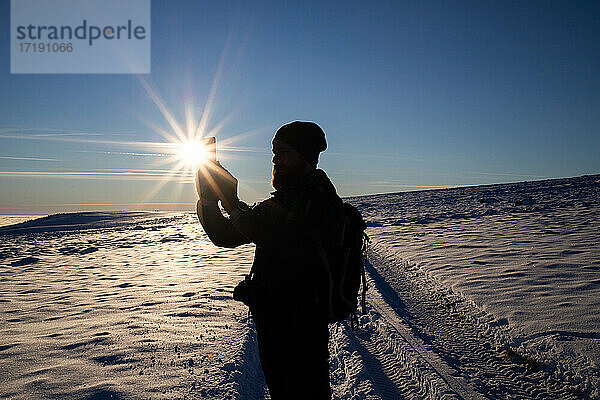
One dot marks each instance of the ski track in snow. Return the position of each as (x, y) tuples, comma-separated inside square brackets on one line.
[(138, 305)]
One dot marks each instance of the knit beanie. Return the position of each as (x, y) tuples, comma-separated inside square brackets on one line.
[(307, 138)]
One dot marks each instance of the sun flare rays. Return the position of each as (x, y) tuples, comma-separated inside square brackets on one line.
[(185, 141)]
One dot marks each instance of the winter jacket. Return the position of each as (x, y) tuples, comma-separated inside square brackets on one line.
[(288, 229)]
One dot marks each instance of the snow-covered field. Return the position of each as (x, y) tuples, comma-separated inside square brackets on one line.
[(481, 292), (16, 219)]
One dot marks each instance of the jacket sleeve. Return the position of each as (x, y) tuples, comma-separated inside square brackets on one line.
[(271, 225), (262, 224), (219, 229)]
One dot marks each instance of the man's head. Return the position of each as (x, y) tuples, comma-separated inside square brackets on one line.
[(296, 148)]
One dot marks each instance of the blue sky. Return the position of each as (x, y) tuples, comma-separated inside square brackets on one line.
[(411, 95)]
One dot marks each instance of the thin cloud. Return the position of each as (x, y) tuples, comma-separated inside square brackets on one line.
[(108, 174), (28, 158), (124, 153), (45, 132), (167, 147), (72, 139), (140, 203)]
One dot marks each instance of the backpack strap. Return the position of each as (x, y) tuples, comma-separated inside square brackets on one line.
[(363, 249), (325, 261)]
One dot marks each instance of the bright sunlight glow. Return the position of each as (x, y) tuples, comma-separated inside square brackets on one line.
[(185, 150), (192, 153)]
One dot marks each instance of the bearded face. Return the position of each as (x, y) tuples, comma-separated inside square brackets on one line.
[(283, 176), (289, 168)]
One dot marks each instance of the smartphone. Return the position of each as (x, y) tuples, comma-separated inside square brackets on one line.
[(210, 144)]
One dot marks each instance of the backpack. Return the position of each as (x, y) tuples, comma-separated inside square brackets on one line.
[(346, 268)]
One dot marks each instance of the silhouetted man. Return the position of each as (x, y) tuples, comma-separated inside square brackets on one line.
[(288, 289)]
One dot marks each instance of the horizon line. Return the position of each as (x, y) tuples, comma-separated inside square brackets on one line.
[(190, 204)]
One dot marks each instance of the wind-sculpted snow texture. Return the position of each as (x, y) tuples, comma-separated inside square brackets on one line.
[(502, 281), (140, 309), (483, 292)]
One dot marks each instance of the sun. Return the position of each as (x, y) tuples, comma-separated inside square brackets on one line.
[(192, 154), (190, 145)]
